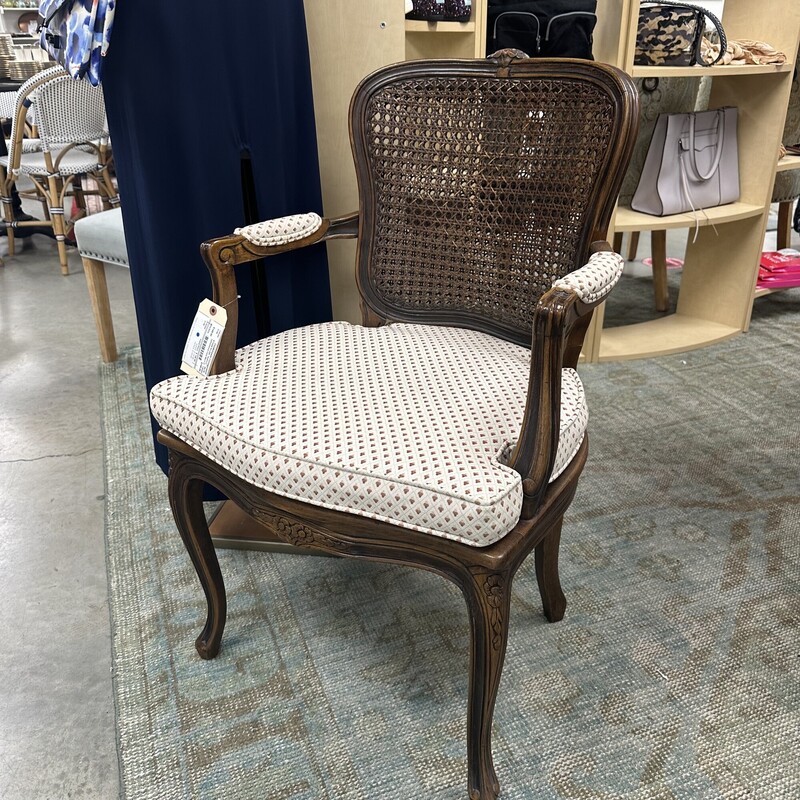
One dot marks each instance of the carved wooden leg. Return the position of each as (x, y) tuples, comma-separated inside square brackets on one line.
[(488, 596), (553, 600), (186, 499)]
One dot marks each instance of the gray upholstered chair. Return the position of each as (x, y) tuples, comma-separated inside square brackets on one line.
[(101, 240)]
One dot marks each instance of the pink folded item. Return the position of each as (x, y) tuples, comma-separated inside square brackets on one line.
[(779, 281), (780, 260), (779, 269), (672, 263)]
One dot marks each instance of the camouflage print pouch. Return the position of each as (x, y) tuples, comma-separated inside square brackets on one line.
[(670, 34)]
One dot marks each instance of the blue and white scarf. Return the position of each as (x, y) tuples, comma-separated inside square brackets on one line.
[(76, 34)]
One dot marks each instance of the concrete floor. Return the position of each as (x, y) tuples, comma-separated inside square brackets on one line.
[(57, 735)]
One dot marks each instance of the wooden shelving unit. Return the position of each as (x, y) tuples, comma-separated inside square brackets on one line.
[(721, 262)]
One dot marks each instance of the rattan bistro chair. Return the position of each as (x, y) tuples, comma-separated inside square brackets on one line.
[(71, 123), (447, 432)]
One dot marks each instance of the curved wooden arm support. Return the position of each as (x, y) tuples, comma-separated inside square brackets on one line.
[(559, 325), (223, 254)]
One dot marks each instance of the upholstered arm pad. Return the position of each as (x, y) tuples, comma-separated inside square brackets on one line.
[(276, 232), (259, 240), (595, 279)]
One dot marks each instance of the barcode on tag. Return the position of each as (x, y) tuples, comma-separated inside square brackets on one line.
[(204, 338)]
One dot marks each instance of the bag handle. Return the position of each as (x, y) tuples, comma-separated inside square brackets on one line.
[(717, 154), (723, 40)]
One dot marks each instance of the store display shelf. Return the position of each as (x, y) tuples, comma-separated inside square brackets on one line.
[(627, 219), (420, 26), (787, 163), (699, 72), (675, 333)]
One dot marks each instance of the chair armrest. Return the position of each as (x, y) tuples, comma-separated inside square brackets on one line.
[(595, 279), (560, 321), (254, 242)]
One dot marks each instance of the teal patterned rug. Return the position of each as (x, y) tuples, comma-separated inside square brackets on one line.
[(675, 674)]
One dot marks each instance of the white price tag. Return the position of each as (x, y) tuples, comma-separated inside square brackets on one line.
[(204, 338)]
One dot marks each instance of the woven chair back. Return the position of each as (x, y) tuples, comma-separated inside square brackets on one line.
[(24, 103), (481, 183), (69, 111)]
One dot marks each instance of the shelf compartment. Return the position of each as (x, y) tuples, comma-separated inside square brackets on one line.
[(626, 219), (699, 72), (675, 333), (420, 26), (787, 163)]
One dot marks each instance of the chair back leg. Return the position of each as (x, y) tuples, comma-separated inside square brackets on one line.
[(658, 249), (554, 603), (784, 225)]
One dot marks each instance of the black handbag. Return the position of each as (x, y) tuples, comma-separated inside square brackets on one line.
[(543, 28), (670, 34)]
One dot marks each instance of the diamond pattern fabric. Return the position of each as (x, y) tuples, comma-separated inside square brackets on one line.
[(409, 424), (282, 230), (596, 278)]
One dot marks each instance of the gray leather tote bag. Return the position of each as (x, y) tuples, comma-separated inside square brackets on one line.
[(692, 163)]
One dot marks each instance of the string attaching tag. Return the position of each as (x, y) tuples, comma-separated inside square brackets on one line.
[(204, 338)]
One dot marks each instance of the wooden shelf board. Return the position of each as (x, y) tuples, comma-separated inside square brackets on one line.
[(699, 72), (763, 292), (787, 163), (420, 26), (674, 333), (759, 292), (627, 219)]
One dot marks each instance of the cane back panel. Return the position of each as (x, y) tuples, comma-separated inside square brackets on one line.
[(480, 184)]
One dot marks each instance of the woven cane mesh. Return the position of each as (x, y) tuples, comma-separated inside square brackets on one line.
[(483, 191), (70, 111)]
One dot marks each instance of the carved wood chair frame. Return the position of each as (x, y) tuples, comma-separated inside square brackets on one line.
[(483, 574)]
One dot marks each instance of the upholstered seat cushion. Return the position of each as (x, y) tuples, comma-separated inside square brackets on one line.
[(101, 237), (410, 424), (74, 162)]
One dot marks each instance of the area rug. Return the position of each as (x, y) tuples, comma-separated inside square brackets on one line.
[(674, 676)]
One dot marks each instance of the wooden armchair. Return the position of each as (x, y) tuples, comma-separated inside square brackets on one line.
[(447, 432)]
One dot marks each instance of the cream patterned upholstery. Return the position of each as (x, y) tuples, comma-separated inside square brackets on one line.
[(594, 280), (408, 424), (274, 232)]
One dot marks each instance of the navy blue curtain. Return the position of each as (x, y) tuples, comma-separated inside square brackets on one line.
[(211, 117)]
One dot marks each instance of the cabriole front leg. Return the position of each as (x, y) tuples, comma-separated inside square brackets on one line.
[(186, 500), (488, 596)]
